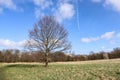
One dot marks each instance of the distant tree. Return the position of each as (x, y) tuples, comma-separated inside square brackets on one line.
[(91, 56), (83, 58), (1, 56), (25, 57), (16, 55), (105, 56), (48, 36), (70, 57), (117, 52), (59, 56), (7, 56)]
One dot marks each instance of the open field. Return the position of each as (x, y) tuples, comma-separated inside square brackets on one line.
[(85, 70)]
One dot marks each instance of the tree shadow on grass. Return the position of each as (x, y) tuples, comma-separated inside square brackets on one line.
[(23, 66), (3, 68)]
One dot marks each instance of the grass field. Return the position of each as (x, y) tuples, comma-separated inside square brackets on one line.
[(85, 70)]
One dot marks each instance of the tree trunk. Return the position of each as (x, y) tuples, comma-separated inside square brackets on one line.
[(46, 59)]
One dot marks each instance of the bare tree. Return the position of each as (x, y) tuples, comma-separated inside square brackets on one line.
[(48, 36)]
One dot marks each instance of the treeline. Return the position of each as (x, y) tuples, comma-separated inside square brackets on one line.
[(24, 56)]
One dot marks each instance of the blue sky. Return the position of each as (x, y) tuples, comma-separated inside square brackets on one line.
[(93, 25)]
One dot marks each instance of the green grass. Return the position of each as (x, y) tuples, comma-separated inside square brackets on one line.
[(90, 70)]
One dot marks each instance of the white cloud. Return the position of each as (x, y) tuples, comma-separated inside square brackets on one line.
[(103, 47), (38, 13), (118, 35), (112, 42), (65, 1), (108, 35), (65, 11), (114, 4), (43, 3), (106, 49), (21, 43), (1, 10), (6, 42), (86, 40), (96, 1), (38, 2), (7, 4), (11, 44)]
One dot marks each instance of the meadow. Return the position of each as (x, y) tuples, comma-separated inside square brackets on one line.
[(84, 70)]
